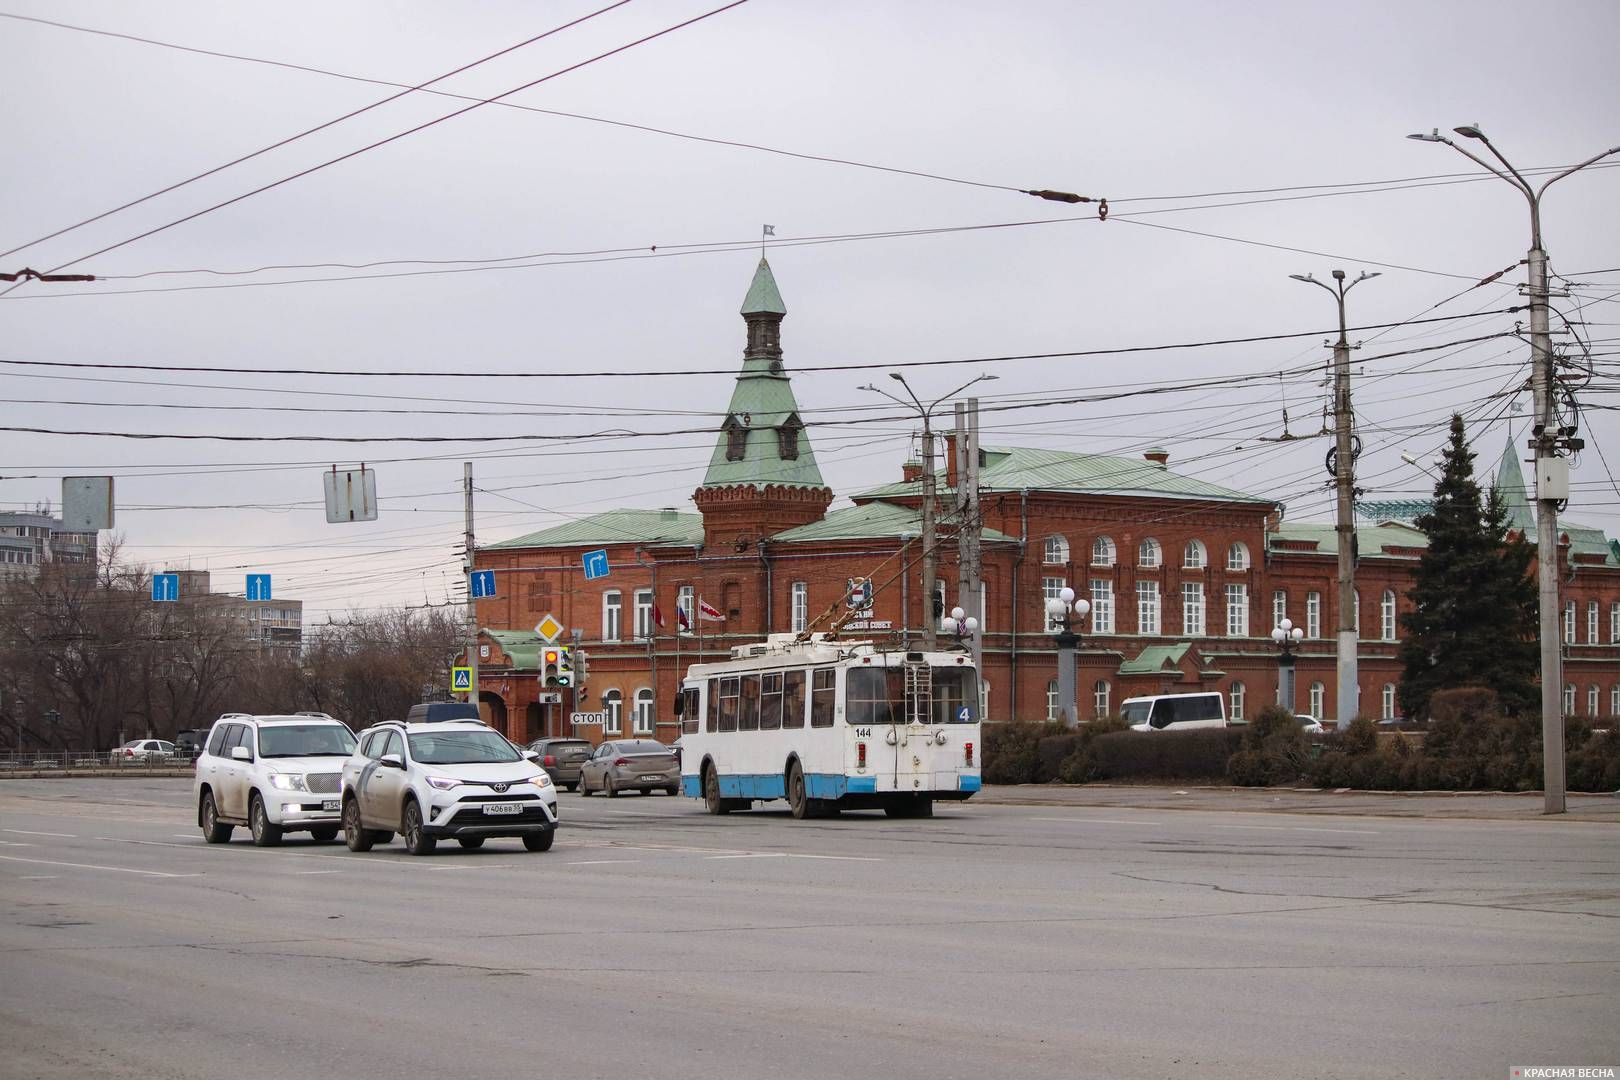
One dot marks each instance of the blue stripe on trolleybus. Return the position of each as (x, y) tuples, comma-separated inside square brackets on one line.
[(774, 786)]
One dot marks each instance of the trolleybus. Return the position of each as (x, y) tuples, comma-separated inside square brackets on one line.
[(829, 726)]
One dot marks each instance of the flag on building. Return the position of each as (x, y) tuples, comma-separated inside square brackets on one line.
[(708, 611), (770, 230), (658, 616), (683, 617)]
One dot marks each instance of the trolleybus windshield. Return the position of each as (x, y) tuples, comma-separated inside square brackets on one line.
[(878, 696)]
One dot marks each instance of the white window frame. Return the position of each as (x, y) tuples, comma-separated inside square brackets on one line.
[(1569, 699), (1237, 557), (799, 606), (1148, 622), (686, 600), (1055, 552), (1050, 588), (1386, 615), (1149, 554), (1592, 623), (1194, 556), (612, 615), (644, 718), (1102, 606), (1053, 709), (1318, 696), (613, 708), (1235, 695), (1313, 614), (1192, 608), (643, 614), (1614, 700), (1279, 606), (1237, 610), (1569, 623), (1099, 696), (1592, 701), (1355, 598), (1103, 552), (1614, 623), (1388, 702)]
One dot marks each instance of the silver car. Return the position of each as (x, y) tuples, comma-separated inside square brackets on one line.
[(631, 764)]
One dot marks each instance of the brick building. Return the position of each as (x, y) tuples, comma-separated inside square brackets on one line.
[(1186, 578)]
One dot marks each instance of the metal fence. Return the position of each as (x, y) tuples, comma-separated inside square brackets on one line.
[(37, 760)]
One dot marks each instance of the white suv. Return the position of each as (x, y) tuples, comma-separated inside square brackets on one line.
[(274, 774), (450, 778)]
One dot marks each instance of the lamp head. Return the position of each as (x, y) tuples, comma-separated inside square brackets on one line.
[(1056, 608), (1338, 275), (1409, 459), (1435, 136), (1277, 634), (1066, 594), (958, 614), (1286, 625), (1303, 277), (970, 624), (1082, 608), (948, 625), (1298, 635), (1469, 131), (1365, 275), (896, 376)]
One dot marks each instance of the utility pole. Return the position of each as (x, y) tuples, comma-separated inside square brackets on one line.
[(472, 605), (973, 529), (1342, 467), (1552, 471)]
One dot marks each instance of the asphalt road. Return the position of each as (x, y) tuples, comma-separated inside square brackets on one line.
[(992, 941)]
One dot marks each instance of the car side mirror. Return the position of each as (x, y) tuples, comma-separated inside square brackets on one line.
[(393, 761), (532, 755), (241, 753)]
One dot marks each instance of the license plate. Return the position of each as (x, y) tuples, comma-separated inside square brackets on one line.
[(329, 804), (502, 808), (652, 778)]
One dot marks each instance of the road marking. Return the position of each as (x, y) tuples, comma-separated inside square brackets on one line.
[(181, 835), (30, 832), (317, 871), (14, 843), (1298, 828), (602, 862), (1097, 821), (835, 858), (39, 877), (753, 855), (93, 866), (475, 866)]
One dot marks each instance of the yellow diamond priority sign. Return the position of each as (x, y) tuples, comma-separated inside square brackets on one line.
[(548, 628)]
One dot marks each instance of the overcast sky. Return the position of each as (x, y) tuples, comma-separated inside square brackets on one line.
[(1130, 102)]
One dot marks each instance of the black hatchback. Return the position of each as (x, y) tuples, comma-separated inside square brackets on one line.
[(562, 758)]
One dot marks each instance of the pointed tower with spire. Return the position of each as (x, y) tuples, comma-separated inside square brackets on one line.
[(762, 477), (1510, 485)]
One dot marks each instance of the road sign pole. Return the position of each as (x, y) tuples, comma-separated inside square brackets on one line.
[(472, 604)]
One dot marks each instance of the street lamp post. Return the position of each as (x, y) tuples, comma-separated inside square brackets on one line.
[(1552, 472), (1287, 636), (930, 546), (1066, 613), (1343, 469)]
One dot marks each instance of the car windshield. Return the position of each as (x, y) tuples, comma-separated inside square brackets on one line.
[(305, 740), (1135, 712), (461, 748)]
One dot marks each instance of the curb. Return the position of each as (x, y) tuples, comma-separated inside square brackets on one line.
[(86, 774)]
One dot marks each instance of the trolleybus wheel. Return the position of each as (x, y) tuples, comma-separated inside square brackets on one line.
[(711, 793), (801, 805)]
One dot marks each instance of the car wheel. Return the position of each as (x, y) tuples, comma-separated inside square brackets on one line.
[(471, 843), (214, 830), (799, 803), (324, 835), (417, 842), (608, 788), (584, 788), (712, 802), (264, 833), (358, 837), (572, 787), (539, 841), (671, 791)]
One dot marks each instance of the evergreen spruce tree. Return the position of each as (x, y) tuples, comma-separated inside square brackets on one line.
[(1473, 621)]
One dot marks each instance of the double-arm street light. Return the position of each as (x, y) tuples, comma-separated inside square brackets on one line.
[(1548, 438), (1342, 466), (930, 546), (1287, 636), (1065, 613)]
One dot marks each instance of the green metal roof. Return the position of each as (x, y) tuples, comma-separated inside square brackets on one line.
[(1156, 660), (1371, 541), (1404, 511), (614, 527), (1021, 468), (1510, 485), (522, 646), (876, 520), (763, 297)]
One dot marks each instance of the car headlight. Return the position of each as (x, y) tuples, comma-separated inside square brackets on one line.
[(288, 782), (443, 783), (543, 780)]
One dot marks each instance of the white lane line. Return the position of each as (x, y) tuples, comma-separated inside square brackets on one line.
[(180, 835), (1097, 821), (1298, 828), (753, 855), (317, 871), (602, 862), (31, 832), (14, 843), (835, 858), (93, 866), (475, 866), (39, 877)]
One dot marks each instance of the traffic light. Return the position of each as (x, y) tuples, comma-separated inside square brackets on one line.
[(551, 667), (565, 667), (576, 661)]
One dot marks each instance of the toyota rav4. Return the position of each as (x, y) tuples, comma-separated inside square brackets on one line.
[(274, 774), (455, 779)]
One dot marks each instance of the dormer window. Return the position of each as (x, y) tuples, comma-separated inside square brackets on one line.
[(736, 439), (787, 437)]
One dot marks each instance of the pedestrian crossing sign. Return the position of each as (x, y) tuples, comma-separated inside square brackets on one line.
[(461, 679)]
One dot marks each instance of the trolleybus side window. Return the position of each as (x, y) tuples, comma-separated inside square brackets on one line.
[(728, 703), (822, 693), (748, 718), (872, 694), (793, 699), (714, 705), (689, 711), (954, 690), (770, 701)]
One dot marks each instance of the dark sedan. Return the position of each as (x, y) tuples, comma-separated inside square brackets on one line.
[(561, 758), (631, 764)]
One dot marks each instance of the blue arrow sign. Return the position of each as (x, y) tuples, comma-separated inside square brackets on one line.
[(166, 587), (258, 586), (483, 584), (596, 564)]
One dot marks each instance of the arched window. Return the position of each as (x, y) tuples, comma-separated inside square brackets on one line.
[(1102, 551), (643, 719), (1317, 691), (1569, 699), (1194, 556), (1614, 700), (1386, 615), (1056, 551), (613, 706), (1236, 695), (1149, 554), (1100, 695), (1237, 556), (1389, 701), (787, 438), (1052, 701), (1592, 701)]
